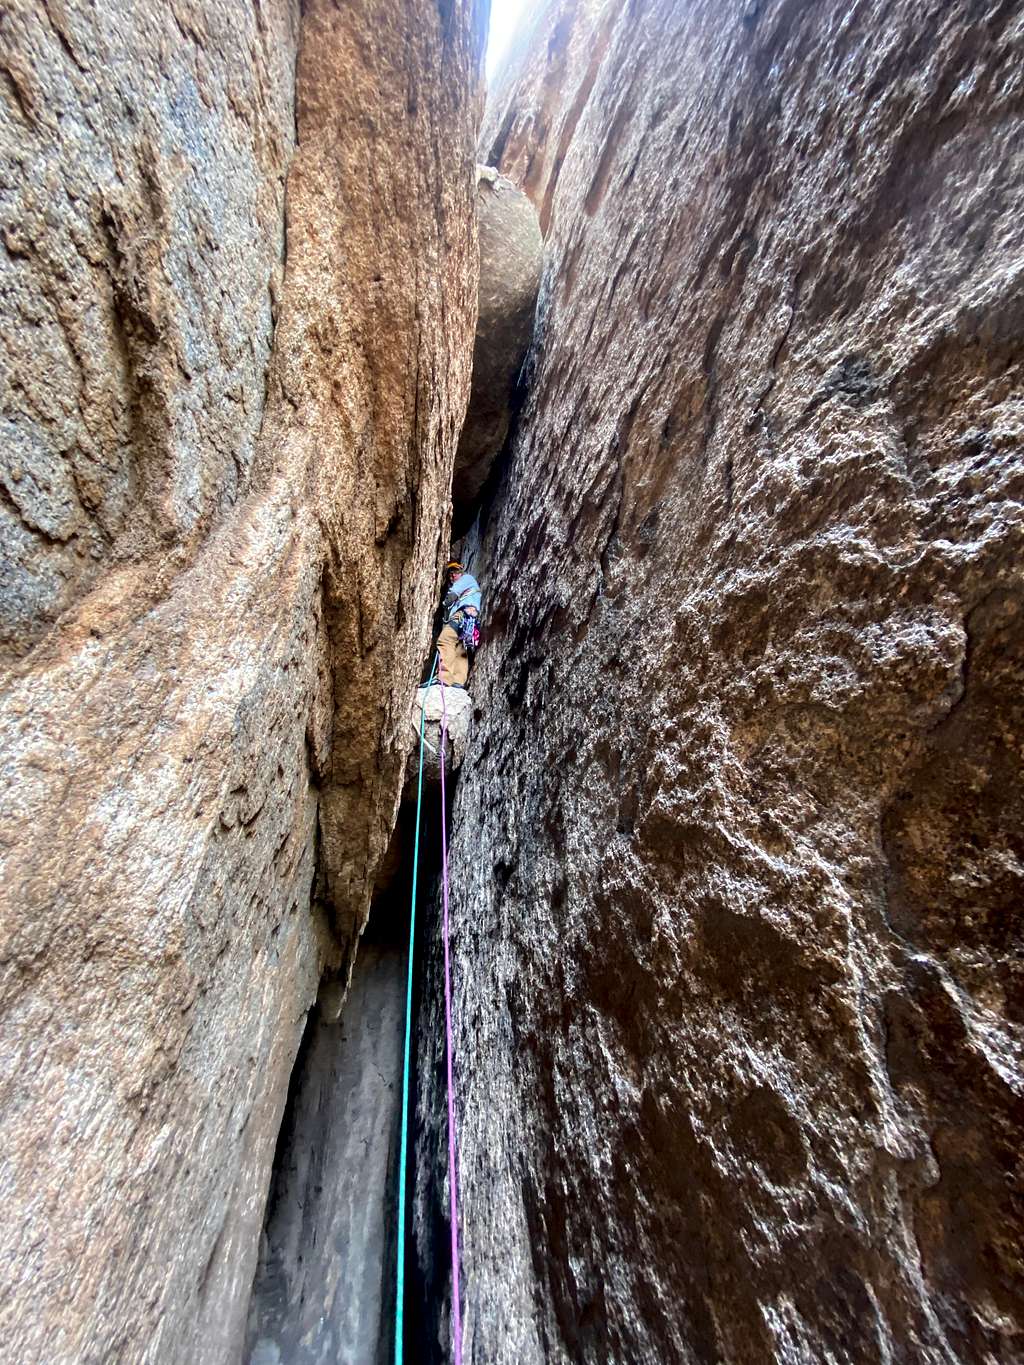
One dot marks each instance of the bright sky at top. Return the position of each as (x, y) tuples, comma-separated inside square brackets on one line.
[(505, 19)]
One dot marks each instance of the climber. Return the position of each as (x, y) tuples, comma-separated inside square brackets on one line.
[(460, 633)]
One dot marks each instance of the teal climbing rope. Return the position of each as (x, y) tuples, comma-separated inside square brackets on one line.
[(404, 1145)]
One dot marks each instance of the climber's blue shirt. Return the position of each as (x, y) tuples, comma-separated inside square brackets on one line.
[(464, 592)]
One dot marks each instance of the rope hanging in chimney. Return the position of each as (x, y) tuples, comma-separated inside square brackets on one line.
[(453, 1181)]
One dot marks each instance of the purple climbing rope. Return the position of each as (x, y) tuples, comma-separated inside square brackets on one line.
[(453, 1173)]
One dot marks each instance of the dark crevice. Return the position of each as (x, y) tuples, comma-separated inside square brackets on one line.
[(325, 1281), (324, 1285)]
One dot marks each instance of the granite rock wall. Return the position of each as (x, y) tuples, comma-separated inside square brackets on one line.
[(238, 287), (737, 861)]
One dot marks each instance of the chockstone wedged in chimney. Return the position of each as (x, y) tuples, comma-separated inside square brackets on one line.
[(510, 264)]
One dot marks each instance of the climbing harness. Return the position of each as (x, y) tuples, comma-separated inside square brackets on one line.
[(404, 1143), (452, 600)]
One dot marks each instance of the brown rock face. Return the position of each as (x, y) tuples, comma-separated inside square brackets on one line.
[(510, 255), (737, 863), (222, 544), (142, 171)]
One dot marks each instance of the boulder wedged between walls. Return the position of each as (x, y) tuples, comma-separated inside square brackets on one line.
[(510, 265), (453, 710)]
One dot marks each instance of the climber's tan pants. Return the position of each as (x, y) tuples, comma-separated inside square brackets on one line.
[(454, 666)]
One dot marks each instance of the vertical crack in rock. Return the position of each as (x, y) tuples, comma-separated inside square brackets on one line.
[(324, 1290), (510, 261), (325, 1285)]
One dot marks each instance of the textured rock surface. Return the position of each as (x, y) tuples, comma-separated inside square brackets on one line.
[(510, 255), (216, 599), (142, 173), (737, 862)]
